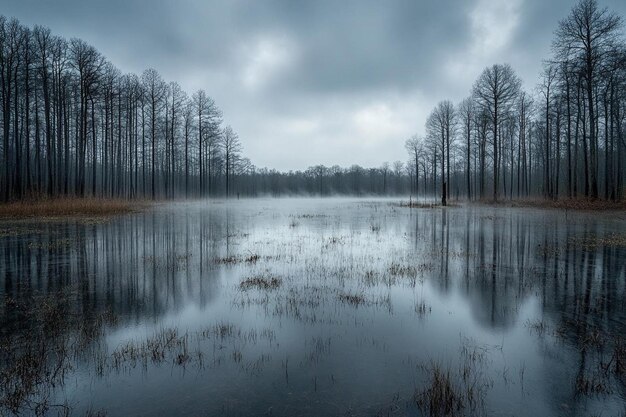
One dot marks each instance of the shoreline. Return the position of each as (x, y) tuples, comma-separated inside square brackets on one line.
[(102, 208), (71, 207), (587, 205), (565, 204)]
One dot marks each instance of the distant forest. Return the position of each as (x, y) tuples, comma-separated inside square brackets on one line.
[(74, 125)]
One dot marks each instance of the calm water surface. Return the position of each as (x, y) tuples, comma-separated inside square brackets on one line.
[(314, 307)]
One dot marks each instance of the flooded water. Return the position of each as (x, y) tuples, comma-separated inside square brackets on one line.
[(307, 307)]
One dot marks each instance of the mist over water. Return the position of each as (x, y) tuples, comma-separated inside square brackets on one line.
[(324, 307)]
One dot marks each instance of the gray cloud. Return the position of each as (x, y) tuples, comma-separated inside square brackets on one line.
[(333, 82)]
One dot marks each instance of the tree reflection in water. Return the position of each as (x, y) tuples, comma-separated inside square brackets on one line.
[(103, 310)]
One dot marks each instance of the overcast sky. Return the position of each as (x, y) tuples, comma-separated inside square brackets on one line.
[(332, 82)]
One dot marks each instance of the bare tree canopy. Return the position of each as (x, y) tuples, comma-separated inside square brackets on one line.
[(75, 125)]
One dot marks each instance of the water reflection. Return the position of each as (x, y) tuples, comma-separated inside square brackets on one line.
[(369, 292), (138, 266)]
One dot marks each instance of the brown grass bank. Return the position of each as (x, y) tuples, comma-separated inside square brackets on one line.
[(562, 204), (69, 207)]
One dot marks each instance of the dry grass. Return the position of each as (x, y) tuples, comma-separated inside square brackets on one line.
[(68, 207), (562, 204)]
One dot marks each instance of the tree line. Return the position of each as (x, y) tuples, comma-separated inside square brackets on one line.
[(75, 125), (564, 139), (320, 180)]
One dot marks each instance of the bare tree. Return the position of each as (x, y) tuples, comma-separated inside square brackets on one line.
[(495, 91), (546, 88), (440, 127), (415, 148), (88, 62), (590, 33), (232, 153), (384, 168), (188, 119), (466, 115), (155, 90), (73, 124)]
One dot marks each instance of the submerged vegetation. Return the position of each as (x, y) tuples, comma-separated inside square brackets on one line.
[(39, 354)]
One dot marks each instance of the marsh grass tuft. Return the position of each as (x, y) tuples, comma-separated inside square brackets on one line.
[(261, 282), (36, 359), (537, 326), (456, 391), (228, 260), (402, 270), (352, 299), (442, 397), (422, 309), (250, 259)]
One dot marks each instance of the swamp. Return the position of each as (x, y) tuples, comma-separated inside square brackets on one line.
[(306, 307)]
